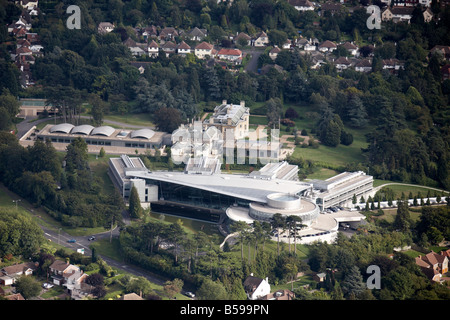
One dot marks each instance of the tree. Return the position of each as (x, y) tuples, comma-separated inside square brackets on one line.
[(167, 119), (139, 285), (353, 284), (277, 37), (402, 219), (242, 228), (28, 287), (171, 288), (278, 222), (357, 112), (274, 109), (134, 207), (211, 290)]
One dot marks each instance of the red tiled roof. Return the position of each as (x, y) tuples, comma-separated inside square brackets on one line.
[(230, 52)]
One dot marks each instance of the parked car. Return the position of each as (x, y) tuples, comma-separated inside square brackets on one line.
[(47, 285), (72, 241), (91, 238), (190, 294)]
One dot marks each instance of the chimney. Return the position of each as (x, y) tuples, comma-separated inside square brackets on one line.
[(242, 103), (224, 101)]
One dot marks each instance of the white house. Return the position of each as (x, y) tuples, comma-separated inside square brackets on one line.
[(327, 46), (256, 288), (229, 54), (183, 48), (153, 49), (203, 49), (8, 275), (301, 5), (261, 39)]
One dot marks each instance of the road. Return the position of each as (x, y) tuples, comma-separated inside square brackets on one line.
[(252, 65)]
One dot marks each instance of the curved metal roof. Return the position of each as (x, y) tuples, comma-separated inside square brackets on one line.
[(103, 131), (142, 133), (63, 127), (83, 129)]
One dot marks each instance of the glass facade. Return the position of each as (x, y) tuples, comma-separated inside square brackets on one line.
[(194, 196)]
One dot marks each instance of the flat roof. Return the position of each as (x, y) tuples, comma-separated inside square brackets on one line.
[(235, 185)]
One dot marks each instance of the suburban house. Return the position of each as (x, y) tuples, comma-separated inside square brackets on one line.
[(149, 32), (197, 34), (330, 7), (342, 63), (261, 39), (327, 46), (244, 36), (153, 49), (169, 47), (351, 48), (273, 54), (363, 65), (392, 65), (397, 14), (8, 275), (105, 27), (280, 295), (71, 277), (287, 44), (183, 48), (168, 34), (256, 288), (301, 5), (427, 15), (135, 48), (203, 49), (433, 265), (230, 54)]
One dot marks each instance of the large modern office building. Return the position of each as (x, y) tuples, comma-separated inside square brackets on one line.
[(340, 189), (203, 192)]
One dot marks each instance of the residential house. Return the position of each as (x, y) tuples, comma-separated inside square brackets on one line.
[(244, 36), (256, 288), (433, 265), (153, 49), (8, 275), (28, 4), (105, 27), (287, 44), (183, 48), (197, 34), (342, 63), (71, 277), (282, 294), (16, 296), (273, 54), (317, 60), (234, 55), (135, 48), (261, 39), (301, 5), (363, 65), (131, 296), (327, 46), (351, 48), (149, 32), (169, 47), (397, 14), (203, 49), (331, 7), (168, 34), (392, 65)]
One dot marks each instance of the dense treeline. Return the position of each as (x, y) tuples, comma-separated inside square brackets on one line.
[(19, 234), (71, 194)]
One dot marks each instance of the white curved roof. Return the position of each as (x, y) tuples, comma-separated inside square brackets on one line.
[(103, 131), (142, 133), (83, 129), (63, 127)]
